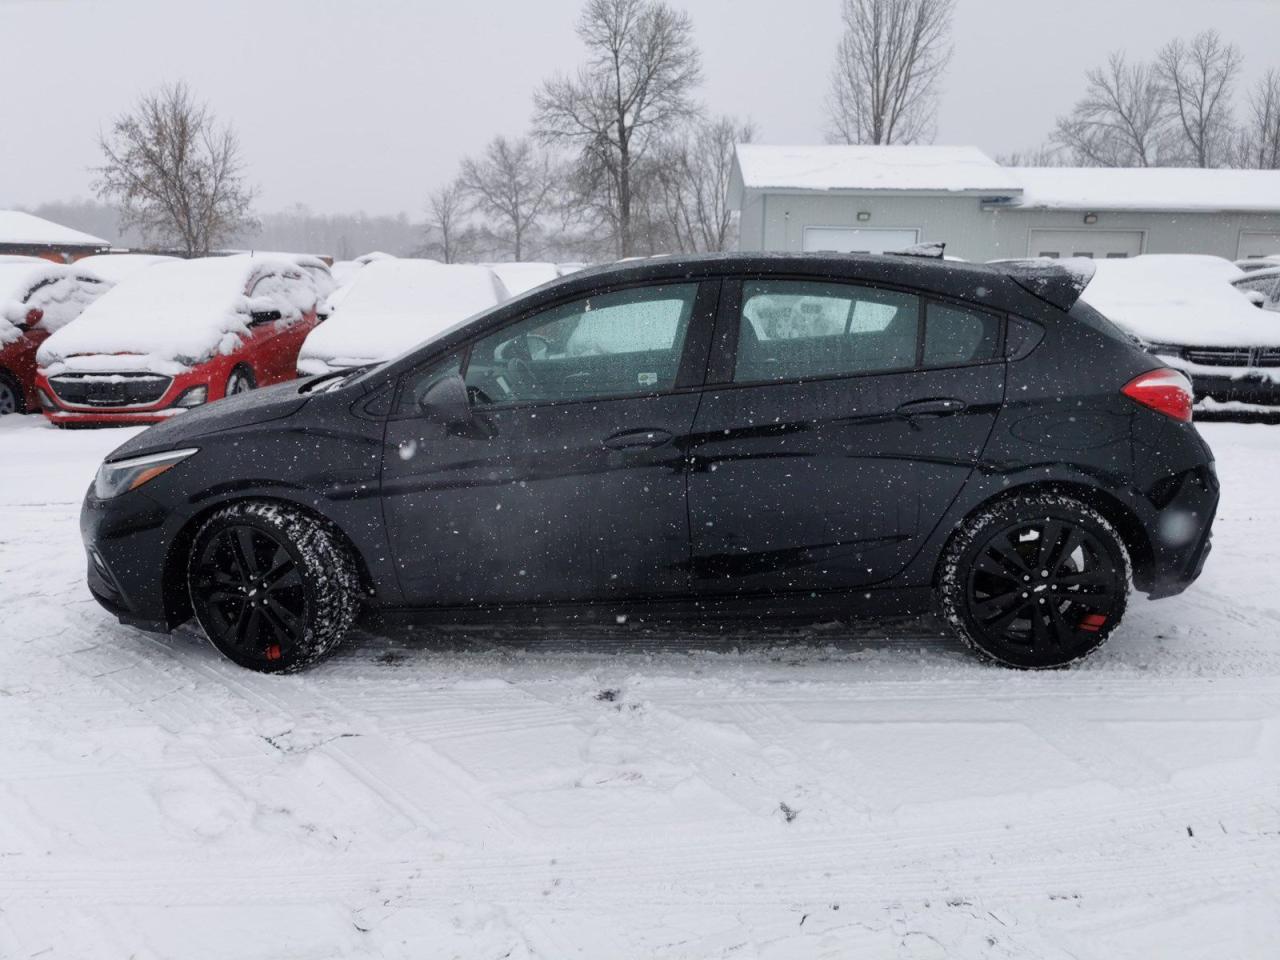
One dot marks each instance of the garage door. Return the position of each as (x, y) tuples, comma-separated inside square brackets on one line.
[(1258, 245), (1097, 244), (854, 240)]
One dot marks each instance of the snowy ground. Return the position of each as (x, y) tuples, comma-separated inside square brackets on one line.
[(609, 796)]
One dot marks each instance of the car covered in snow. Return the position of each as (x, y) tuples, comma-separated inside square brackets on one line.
[(115, 267), (36, 298), (520, 277), (177, 336), (1261, 287), (392, 305), (743, 436), (345, 271), (1186, 311)]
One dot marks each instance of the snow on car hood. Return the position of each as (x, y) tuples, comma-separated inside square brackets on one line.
[(60, 292), (172, 316), (1180, 299), (395, 304)]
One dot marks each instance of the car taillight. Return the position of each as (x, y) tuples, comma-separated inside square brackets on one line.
[(1164, 391)]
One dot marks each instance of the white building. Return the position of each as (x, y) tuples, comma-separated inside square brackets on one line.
[(873, 199)]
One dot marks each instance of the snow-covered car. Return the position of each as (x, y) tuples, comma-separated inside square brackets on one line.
[(115, 267), (36, 298), (176, 336), (1261, 287), (345, 271), (521, 277), (1184, 309), (1253, 264), (394, 305)]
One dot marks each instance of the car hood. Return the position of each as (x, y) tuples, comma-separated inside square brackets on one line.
[(242, 410)]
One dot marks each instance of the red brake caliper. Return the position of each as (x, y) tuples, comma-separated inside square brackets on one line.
[(1093, 622)]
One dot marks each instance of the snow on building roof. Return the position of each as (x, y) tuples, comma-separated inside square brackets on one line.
[(916, 169), (19, 227), (1182, 189), (394, 304), (969, 171)]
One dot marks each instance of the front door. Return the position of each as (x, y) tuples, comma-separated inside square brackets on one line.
[(570, 483), (851, 418)]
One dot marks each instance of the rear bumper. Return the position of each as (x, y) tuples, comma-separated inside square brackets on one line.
[(1182, 532)]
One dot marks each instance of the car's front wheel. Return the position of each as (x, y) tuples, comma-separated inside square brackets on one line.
[(1035, 582), (10, 396), (240, 381), (273, 588)]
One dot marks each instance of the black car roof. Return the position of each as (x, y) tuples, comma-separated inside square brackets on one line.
[(999, 285)]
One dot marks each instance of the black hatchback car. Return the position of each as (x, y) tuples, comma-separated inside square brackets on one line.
[(738, 436)]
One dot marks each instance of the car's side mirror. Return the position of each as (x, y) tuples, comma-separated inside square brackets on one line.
[(265, 316), (447, 402)]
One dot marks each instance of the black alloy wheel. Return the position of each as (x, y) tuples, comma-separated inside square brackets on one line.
[(1037, 583), (273, 589)]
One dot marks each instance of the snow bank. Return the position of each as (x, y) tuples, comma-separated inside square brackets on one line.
[(176, 315), (395, 304), (519, 278), (59, 292), (114, 267), (1180, 299)]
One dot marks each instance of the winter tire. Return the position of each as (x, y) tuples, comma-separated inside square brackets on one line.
[(10, 396), (1034, 582), (240, 381), (274, 589)]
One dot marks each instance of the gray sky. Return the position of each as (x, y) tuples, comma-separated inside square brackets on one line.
[(349, 105)]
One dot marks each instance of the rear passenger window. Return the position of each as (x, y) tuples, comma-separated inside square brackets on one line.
[(795, 330), (955, 335)]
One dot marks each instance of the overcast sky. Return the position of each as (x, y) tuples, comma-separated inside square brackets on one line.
[(348, 105)]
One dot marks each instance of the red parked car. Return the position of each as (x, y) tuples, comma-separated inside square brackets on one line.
[(176, 336), (36, 298)]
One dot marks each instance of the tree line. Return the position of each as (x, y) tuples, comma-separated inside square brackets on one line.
[(621, 159)]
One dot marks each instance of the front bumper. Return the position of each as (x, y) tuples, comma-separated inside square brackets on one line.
[(126, 543)]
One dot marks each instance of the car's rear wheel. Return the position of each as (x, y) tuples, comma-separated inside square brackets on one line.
[(1035, 582), (240, 381), (274, 589), (10, 396)]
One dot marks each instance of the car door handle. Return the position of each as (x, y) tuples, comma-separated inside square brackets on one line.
[(931, 408), (641, 439)]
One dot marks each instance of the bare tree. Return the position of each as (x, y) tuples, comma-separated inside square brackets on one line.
[(693, 184), (1123, 119), (1258, 141), (1045, 155), (450, 237), (174, 173), (510, 185), (888, 63), (1199, 79), (634, 89)]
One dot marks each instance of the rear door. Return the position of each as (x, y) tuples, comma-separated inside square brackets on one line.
[(845, 421)]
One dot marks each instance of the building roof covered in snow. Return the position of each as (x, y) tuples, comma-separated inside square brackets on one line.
[(21, 229), (967, 171)]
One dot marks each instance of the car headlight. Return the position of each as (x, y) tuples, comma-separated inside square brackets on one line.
[(116, 478), (193, 396)]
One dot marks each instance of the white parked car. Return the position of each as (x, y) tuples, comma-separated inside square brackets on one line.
[(114, 267), (393, 305), (1185, 310)]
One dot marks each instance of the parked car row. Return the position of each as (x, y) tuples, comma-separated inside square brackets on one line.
[(176, 334)]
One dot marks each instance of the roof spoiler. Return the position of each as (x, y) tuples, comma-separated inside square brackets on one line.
[(1058, 282)]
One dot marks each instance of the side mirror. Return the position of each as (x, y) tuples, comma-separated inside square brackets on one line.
[(446, 402), (265, 316)]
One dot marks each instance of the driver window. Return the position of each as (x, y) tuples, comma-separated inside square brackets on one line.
[(615, 344)]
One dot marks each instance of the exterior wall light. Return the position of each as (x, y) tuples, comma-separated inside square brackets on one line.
[(863, 216), (1091, 218)]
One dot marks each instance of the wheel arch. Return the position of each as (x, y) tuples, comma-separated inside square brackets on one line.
[(177, 603), (1113, 510)]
